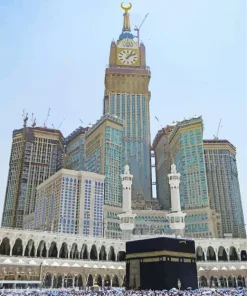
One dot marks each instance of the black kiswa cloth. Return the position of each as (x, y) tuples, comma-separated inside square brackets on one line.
[(160, 244), (160, 263)]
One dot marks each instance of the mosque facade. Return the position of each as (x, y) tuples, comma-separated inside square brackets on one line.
[(58, 260)]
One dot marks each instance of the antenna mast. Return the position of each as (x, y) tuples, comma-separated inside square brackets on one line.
[(138, 29)]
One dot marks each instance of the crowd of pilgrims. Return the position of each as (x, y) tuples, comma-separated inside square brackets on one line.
[(121, 292)]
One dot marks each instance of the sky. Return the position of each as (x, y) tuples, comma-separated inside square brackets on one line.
[(53, 54)]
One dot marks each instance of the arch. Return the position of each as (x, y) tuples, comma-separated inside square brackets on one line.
[(55, 282), (211, 254), (115, 281), (231, 283), (124, 281), (112, 255), (203, 282), (102, 254), (42, 250), (240, 281), (34, 276), (59, 281), (233, 255), (68, 281), (30, 249), (84, 252), (17, 248), (80, 281), (93, 253), (9, 276), (5, 247), (222, 255), (213, 282), (22, 276), (98, 280), (200, 254), (53, 250), (121, 256), (90, 281), (107, 281), (223, 282), (48, 280), (243, 255), (63, 253), (74, 253)]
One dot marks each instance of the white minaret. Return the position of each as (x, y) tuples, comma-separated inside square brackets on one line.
[(176, 216), (127, 218)]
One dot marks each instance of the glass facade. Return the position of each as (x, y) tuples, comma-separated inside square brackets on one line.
[(223, 185), (134, 110), (188, 154), (75, 150), (104, 156)]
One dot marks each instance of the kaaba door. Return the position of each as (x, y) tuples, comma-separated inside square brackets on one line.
[(134, 274)]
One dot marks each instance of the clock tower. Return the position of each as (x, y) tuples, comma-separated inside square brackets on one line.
[(127, 96)]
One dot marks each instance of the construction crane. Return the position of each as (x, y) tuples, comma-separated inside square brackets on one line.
[(47, 117), (25, 118), (158, 121), (216, 137), (61, 123), (138, 29), (33, 121)]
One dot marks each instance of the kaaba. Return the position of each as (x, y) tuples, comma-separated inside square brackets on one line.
[(161, 263)]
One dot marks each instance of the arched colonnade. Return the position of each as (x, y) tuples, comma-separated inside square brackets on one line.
[(220, 254), (222, 281), (55, 249), (57, 281)]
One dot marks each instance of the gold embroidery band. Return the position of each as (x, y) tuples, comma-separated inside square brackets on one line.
[(172, 259), (160, 253)]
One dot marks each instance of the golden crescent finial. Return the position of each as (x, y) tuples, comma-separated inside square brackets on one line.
[(126, 9)]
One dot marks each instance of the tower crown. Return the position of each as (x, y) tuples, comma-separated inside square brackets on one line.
[(126, 20), (126, 31), (126, 169)]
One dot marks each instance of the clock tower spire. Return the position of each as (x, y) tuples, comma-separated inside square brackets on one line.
[(126, 20)]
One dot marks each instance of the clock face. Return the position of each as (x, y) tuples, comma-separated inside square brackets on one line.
[(128, 57)]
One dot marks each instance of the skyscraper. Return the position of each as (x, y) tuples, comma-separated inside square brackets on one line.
[(103, 152), (127, 96), (186, 144), (75, 150), (162, 167), (223, 185), (36, 154)]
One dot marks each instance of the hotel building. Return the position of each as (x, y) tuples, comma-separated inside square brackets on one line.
[(36, 154), (71, 202), (186, 144), (223, 186), (103, 152)]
